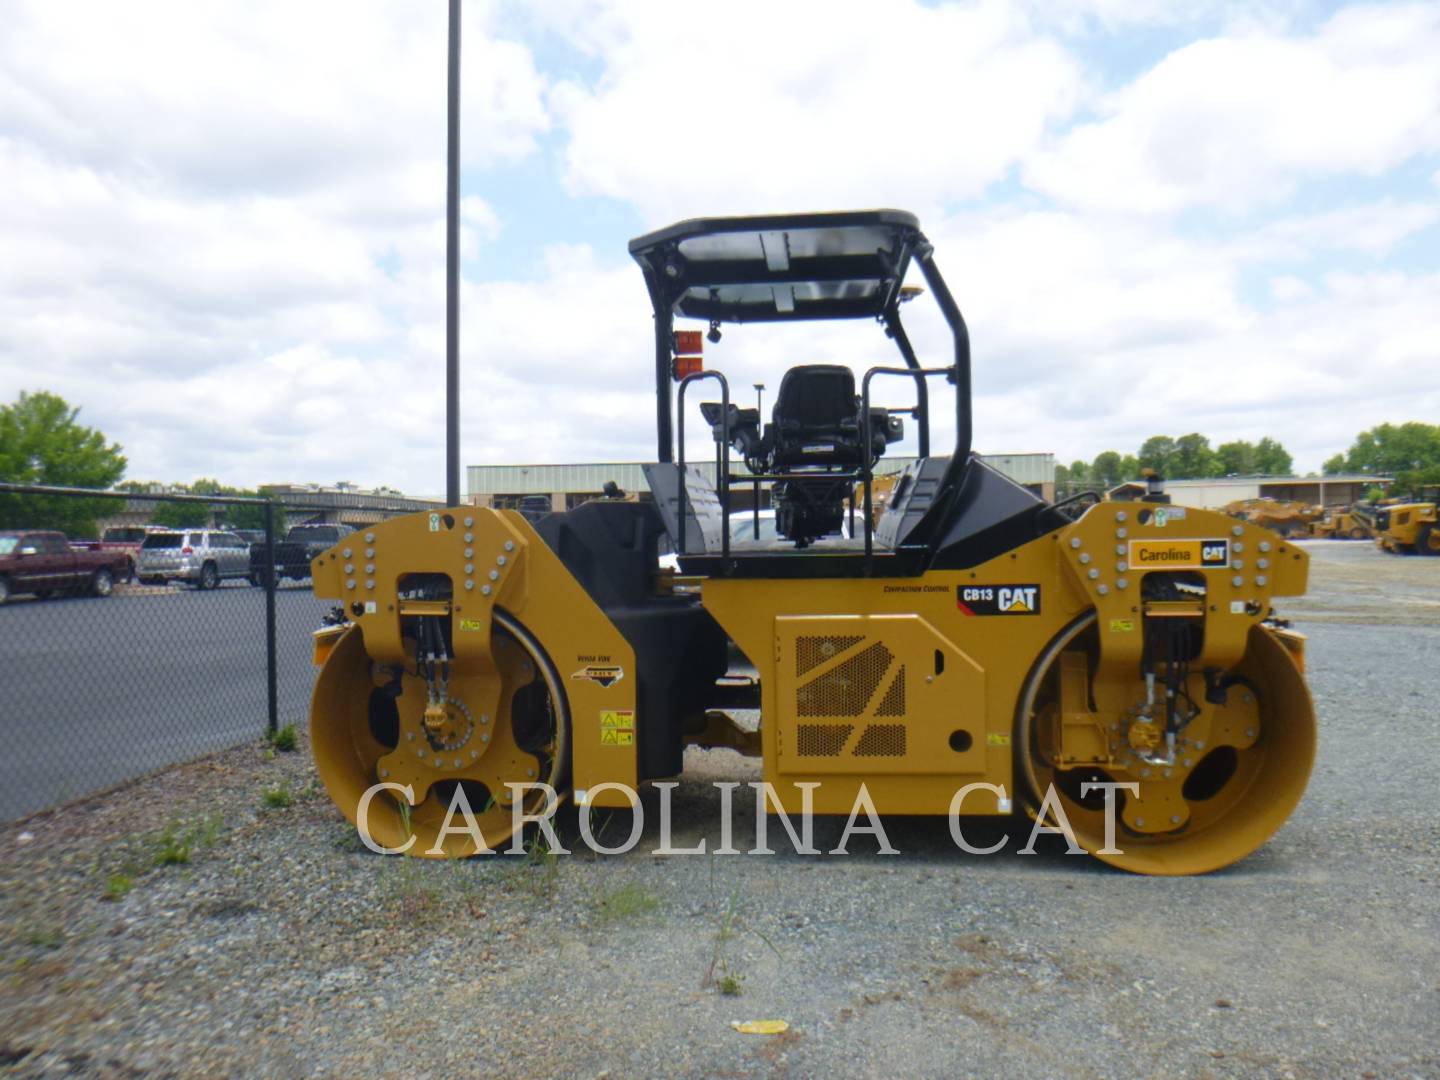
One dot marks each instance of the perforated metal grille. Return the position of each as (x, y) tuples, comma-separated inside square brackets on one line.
[(811, 652), (847, 688), (882, 740), (893, 703), (821, 740)]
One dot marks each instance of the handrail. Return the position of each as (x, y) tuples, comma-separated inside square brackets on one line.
[(722, 459), (868, 458)]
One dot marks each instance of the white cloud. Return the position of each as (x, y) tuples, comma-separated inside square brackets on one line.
[(223, 228), (1238, 121), (198, 193), (808, 105)]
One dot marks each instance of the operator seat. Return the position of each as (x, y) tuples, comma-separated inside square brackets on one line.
[(816, 418)]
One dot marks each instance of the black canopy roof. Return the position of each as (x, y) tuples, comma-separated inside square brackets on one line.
[(779, 266)]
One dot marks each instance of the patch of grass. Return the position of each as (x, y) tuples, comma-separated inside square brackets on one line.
[(285, 740), (627, 902), (729, 985), (173, 845), (422, 890), (47, 939), (118, 887), (539, 871), (277, 798), (348, 840)]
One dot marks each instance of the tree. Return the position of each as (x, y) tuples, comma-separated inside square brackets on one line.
[(1156, 453), (1272, 459), (250, 516), (1333, 465), (1409, 452), (1390, 449), (1105, 469), (1193, 458), (179, 515), (41, 443), (1236, 458)]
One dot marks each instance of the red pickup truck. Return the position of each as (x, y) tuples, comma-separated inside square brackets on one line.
[(126, 538), (32, 561)]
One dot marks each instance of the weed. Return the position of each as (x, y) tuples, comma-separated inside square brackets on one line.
[(726, 928), (285, 739), (422, 890), (348, 840), (627, 902), (173, 846), (118, 887), (47, 939), (277, 798), (405, 818)]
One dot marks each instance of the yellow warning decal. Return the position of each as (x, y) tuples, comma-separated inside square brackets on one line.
[(617, 727), (997, 739), (1122, 626), (472, 624)]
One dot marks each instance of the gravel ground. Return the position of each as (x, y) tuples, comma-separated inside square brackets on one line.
[(281, 947)]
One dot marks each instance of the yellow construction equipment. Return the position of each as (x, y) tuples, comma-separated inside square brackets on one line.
[(1281, 516), (976, 649), (1406, 528), (1340, 525)]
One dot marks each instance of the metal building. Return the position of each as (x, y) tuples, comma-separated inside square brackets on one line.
[(568, 486), (1217, 492)]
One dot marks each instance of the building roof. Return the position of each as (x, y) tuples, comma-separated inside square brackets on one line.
[(1251, 481), (543, 479)]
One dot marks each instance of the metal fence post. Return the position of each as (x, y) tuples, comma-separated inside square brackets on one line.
[(271, 671)]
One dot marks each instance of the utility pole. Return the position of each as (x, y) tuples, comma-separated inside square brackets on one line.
[(452, 270)]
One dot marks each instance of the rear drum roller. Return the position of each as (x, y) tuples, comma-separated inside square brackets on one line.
[(364, 733), (1240, 771)]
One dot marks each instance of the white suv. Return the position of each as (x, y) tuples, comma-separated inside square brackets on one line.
[(199, 557)]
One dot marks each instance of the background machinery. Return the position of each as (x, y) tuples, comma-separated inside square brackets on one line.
[(1280, 516), (1340, 525), (1404, 528), (970, 633)]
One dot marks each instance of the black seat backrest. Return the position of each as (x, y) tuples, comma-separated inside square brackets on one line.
[(817, 397), (816, 418)]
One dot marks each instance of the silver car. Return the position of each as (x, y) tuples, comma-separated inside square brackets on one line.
[(199, 557)]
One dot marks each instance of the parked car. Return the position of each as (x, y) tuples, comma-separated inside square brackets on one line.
[(293, 554), (743, 531), (199, 557), (534, 507), (42, 562), (126, 538)]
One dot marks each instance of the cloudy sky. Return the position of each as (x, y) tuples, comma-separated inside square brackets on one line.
[(222, 235)]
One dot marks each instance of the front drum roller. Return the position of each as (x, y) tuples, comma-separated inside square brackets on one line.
[(364, 734), (1196, 816)]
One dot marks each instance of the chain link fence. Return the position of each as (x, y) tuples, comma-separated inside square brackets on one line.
[(129, 645)]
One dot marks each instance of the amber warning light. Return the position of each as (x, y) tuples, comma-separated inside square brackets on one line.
[(689, 344)]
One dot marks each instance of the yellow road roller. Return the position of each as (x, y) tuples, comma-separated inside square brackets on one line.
[(972, 633)]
